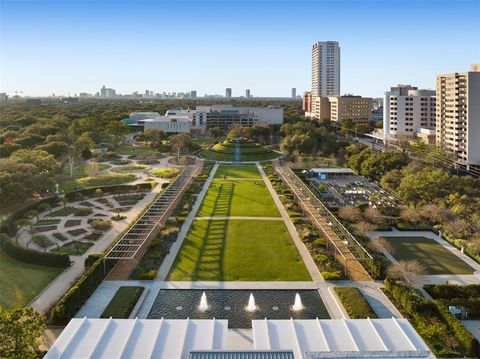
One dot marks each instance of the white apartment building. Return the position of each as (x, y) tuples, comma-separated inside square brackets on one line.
[(326, 69), (407, 110), (458, 114)]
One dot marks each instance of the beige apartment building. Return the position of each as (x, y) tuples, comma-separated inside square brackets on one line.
[(355, 108), (338, 108), (325, 68), (458, 114)]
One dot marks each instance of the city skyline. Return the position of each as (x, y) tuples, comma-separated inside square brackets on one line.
[(264, 48)]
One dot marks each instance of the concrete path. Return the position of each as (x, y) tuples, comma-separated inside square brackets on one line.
[(170, 258), (305, 254), (238, 217)]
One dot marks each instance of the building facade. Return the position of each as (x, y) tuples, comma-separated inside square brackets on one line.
[(228, 92), (407, 110), (458, 114), (294, 92), (326, 69), (355, 108), (247, 93)]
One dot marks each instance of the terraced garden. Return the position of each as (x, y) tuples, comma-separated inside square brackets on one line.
[(248, 151)]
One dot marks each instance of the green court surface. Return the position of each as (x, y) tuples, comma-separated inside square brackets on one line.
[(433, 256), (238, 198), (238, 250), (21, 282), (238, 171)]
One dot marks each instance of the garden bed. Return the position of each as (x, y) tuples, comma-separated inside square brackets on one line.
[(77, 232), (123, 302), (73, 248), (60, 236), (40, 229), (354, 303), (73, 222)]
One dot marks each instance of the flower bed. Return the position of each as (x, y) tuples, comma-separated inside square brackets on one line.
[(73, 222), (77, 232)]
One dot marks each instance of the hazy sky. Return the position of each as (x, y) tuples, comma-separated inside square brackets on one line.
[(73, 46)]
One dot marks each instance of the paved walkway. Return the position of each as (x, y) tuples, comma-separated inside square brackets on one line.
[(305, 254), (170, 258)]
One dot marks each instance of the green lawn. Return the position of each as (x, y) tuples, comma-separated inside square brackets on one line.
[(238, 250), (21, 282), (80, 171), (238, 171), (434, 257), (123, 302), (238, 198), (97, 181), (130, 168), (166, 172)]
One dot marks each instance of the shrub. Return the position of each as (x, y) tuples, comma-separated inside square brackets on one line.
[(101, 224), (320, 242), (82, 212), (148, 275), (31, 256), (354, 303), (320, 258), (92, 258), (123, 302), (337, 275)]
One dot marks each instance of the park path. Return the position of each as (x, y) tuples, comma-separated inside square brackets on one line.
[(170, 258), (304, 253)]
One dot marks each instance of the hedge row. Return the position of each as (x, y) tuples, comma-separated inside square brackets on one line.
[(425, 312), (449, 291), (27, 255), (354, 303), (76, 296), (8, 225), (463, 335), (123, 188)]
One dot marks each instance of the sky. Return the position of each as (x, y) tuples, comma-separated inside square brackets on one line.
[(70, 46)]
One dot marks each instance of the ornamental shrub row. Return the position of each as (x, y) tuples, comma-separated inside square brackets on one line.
[(106, 190), (27, 255), (433, 321), (76, 296)]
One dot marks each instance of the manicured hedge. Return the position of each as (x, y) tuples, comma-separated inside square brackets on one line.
[(123, 302), (27, 255), (426, 315), (354, 303), (8, 225), (463, 335), (449, 291), (78, 294), (90, 192)]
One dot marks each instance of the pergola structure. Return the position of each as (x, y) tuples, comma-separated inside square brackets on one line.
[(131, 242), (346, 247)]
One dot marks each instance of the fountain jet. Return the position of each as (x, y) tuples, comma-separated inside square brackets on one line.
[(297, 305), (203, 306), (251, 307)]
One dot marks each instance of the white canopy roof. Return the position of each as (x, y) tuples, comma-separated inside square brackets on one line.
[(138, 338), (340, 338)]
